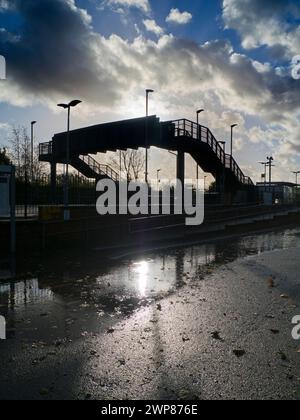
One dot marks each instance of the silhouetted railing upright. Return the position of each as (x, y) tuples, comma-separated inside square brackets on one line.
[(100, 169), (187, 128), (45, 149)]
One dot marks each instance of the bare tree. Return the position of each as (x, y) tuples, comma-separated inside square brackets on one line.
[(133, 164), (20, 154)]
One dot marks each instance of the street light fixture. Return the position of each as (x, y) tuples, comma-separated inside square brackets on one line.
[(265, 164), (148, 91), (231, 146), (157, 174), (68, 106), (32, 147), (270, 160), (198, 112), (296, 173), (223, 143)]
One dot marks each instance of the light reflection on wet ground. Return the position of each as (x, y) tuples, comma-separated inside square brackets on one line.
[(82, 296)]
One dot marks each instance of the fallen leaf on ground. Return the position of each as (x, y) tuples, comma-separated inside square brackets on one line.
[(216, 335), (283, 356), (239, 353)]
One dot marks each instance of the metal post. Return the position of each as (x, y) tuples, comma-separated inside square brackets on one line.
[(12, 212), (67, 169), (31, 152), (265, 176), (66, 181), (198, 137), (157, 173), (231, 145), (270, 160), (146, 133)]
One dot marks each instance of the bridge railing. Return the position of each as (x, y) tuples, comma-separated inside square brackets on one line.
[(100, 169), (45, 148), (187, 128)]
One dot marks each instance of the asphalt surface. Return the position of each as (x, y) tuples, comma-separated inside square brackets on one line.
[(214, 331)]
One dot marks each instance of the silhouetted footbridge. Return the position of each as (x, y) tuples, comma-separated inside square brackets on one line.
[(181, 136)]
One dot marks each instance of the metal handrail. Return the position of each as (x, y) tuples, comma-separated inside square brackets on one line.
[(187, 128), (45, 148), (100, 169)]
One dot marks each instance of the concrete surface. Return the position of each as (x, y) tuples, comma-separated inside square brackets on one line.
[(224, 334)]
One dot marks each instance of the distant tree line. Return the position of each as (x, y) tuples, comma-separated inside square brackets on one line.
[(18, 153)]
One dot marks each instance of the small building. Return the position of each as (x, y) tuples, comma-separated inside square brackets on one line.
[(278, 193), (5, 172)]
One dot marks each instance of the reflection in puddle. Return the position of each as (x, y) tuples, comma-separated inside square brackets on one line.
[(19, 295), (84, 295), (142, 271)]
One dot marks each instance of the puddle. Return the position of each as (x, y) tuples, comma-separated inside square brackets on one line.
[(71, 298)]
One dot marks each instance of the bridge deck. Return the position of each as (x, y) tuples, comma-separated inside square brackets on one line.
[(180, 135)]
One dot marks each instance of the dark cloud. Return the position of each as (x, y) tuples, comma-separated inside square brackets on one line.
[(56, 52)]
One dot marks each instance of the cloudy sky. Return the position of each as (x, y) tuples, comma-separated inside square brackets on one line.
[(231, 57)]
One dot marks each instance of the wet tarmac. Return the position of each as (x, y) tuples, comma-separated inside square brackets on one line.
[(75, 300)]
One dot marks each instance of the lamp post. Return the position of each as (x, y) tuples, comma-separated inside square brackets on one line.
[(120, 157), (32, 147), (68, 106), (265, 164), (205, 177), (269, 164), (296, 173), (157, 176), (223, 143), (198, 112), (148, 91), (231, 139)]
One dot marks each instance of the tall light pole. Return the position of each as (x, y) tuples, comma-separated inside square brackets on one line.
[(148, 91), (205, 178), (231, 139), (157, 175), (198, 112), (270, 160), (120, 157), (68, 106), (296, 173), (223, 144), (265, 164), (32, 148)]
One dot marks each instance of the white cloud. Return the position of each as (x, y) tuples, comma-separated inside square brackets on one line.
[(112, 72), (152, 26), (139, 4), (180, 18), (265, 23)]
